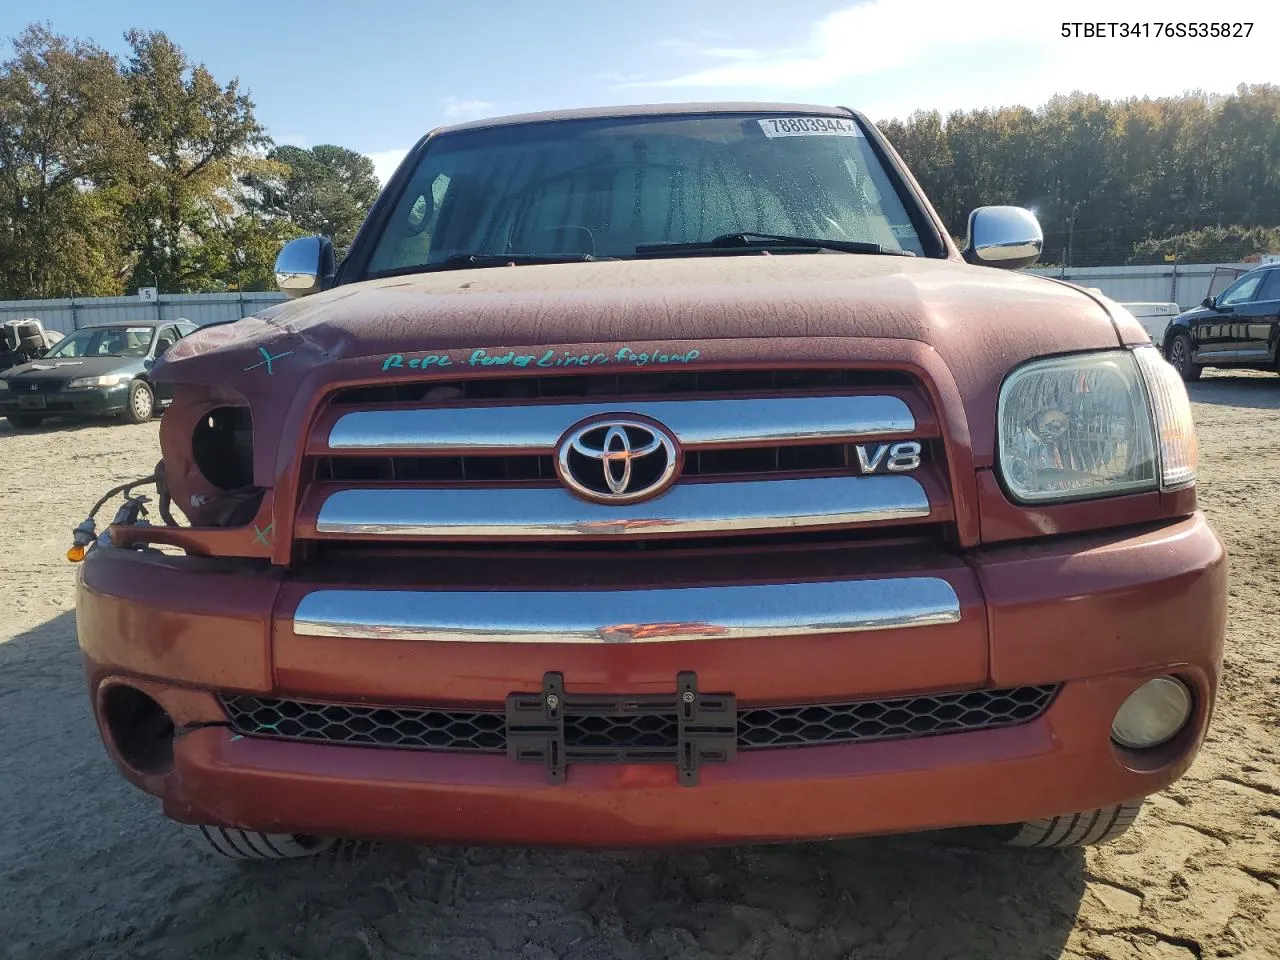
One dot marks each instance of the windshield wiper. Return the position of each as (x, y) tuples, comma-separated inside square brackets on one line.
[(770, 241), (462, 261)]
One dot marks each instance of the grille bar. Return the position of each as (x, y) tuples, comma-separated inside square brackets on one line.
[(695, 423), (625, 616), (567, 385), (552, 512), (758, 728)]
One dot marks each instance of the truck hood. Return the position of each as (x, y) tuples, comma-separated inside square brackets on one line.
[(980, 321), (968, 314)]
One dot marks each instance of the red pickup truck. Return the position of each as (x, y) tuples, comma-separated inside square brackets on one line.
[(660, 476)]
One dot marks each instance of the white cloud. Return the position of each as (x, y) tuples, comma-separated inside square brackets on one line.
[(691, 48), (620, 79), (385, 162), (457, 109), (867, 39), (945, 55)]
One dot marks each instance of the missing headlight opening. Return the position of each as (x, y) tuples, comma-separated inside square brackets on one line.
[(222, 447)]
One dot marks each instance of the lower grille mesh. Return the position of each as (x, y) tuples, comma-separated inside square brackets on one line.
[(415, 728)]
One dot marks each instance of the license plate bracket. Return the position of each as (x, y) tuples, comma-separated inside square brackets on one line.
[(31, 403), (706, 727)]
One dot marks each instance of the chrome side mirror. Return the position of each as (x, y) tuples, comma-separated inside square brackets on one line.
[(1005, 237), (305, 266)]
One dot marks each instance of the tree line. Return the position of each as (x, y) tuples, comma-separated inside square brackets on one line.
[(146, 171), (118, 173), (1114, 182)]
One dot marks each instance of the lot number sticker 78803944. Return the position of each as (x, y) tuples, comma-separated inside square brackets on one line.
[(809, 127)]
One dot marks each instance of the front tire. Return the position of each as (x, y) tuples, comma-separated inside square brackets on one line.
[(1180, 358), (142, 403), (251, 845), (24, 421), (1075, 829)]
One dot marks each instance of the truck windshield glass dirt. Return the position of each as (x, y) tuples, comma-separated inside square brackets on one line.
[(577, 189)]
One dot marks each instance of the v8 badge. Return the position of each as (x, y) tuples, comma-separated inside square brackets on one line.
[(888, 457)]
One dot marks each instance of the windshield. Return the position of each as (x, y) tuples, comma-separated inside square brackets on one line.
[(603, 187), (104, 342)]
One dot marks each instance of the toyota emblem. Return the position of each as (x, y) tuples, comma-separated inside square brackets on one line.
[(615, 460)]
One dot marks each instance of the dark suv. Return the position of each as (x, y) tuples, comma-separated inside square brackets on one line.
[(1239, 329)]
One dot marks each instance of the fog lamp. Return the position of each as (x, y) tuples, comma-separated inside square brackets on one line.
[(1153, 714)]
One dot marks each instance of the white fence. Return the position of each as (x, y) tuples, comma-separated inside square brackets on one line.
[(1185, 284), (200, 308)]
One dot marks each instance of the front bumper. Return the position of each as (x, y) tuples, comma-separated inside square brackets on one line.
[(96, 402), (1097, 614)]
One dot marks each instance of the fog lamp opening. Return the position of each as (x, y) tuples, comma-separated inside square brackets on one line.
[(140, 728), (1153, 714)]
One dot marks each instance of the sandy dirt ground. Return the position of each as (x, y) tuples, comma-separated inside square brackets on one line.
[(89, 868)]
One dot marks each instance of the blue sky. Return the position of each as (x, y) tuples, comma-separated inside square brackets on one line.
[(375, 76)]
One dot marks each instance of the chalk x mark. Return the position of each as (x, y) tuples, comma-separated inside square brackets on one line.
[(266, 360)]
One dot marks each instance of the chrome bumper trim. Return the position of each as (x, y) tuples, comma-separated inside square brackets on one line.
[(695, 423), (691, 508), (625, 616)]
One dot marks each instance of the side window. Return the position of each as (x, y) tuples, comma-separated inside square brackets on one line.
[(1242, 292), (407, 239), (167, 338), (1270, 287)]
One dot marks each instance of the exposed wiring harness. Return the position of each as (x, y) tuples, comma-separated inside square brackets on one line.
[(125, 489), (133, 510), (239, 507), (231, 508), (165, 498)]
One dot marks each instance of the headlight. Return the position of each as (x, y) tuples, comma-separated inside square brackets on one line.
[(4, 385), (1094, 425), (87, 383)]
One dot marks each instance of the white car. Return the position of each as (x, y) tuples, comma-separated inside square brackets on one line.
[(1154, 317)]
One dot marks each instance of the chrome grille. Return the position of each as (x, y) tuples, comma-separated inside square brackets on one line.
[(761, 452), (759, 728)]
